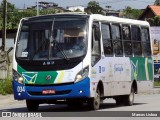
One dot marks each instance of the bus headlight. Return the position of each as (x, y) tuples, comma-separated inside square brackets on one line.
[(82, 74), (17, 77), (20, 80)]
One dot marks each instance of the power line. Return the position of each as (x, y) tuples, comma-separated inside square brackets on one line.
[(141, 1), (100, 3), (119, 1)]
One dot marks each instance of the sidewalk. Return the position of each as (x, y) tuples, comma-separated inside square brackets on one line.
[(155, 90), (9, 99)]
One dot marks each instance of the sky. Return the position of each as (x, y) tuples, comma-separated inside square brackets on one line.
[(115, 4)]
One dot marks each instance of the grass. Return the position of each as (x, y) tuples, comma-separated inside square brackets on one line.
[(6, 87), (157, 83)]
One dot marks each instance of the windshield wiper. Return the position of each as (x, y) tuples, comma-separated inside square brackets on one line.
[(53, 41)]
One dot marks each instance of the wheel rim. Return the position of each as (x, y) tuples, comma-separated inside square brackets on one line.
[(131, 97)]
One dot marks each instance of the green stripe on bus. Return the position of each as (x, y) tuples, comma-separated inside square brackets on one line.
[(141, 68), (34, 77)]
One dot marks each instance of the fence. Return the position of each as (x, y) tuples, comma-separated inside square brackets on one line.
[(6, 59), (6, 63)]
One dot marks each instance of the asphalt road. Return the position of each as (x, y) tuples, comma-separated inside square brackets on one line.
[(143, 102)]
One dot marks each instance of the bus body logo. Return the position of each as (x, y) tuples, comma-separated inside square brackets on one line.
[(48, 77), (48, 63), (134, 68), (30, 77), (118, 68)]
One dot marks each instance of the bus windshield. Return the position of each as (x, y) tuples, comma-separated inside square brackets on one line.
[(52, 38)]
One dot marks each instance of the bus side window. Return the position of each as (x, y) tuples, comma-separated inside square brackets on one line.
[(145, 41), (127, 40), (136, 40), (117, 42), (107, 42), (23, 41), (96, 50)]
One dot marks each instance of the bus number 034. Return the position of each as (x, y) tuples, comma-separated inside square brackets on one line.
[(20, 89)]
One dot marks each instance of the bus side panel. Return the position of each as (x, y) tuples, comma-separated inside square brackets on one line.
[(115, 73), (118, 73)]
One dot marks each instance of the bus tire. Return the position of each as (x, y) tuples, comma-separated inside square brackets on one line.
[(32, 105), (74, 103), (94, 103), (129, 99), (119, 100)]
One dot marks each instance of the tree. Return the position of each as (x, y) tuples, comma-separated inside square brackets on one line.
[(132, 13), (49, 11), (77, 10), (14, 15), (157, 2), (10, 8), (155, 21), (93, 7)]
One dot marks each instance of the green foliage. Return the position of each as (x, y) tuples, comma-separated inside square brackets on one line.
[(77, 10), (10, 7), (6, 87), (94, 7), (11, 10), (157, 83), (48, 11), (14, 15), (155, 21), (132, 13), (157, 2)]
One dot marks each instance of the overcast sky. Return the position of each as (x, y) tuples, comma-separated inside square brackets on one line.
[(115, 4)]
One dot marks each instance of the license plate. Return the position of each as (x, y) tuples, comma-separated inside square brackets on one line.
[(44, 92)]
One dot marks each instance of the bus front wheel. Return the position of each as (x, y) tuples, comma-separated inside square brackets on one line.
[(74, 102), (32, 105), (94, 103)]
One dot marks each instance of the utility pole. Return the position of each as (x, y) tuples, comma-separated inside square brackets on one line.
[(108, 9), (4, 24), (37, 7)]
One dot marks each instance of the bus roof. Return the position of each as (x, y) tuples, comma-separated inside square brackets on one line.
[(99, 17), (118, 19)]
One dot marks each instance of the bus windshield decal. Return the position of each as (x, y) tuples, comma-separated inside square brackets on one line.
[(24, 54)]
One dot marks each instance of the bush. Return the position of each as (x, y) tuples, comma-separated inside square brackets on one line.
[(6, 87)]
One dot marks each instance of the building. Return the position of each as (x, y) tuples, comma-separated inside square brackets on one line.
[(48, 5), (44, 5), (150, 12), (74, 8)]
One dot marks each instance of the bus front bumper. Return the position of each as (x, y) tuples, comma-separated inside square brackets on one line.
[(76, 90)]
